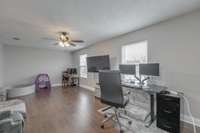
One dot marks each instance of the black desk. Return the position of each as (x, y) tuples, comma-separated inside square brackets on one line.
[(152, 90)]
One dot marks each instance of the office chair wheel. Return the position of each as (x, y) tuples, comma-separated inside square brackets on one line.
[(125, 112), (129, 122), (105, 116), (102, 126), (121, 131)]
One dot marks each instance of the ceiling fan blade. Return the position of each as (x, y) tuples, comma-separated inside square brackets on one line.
[(55, 44), (63, 33), (77, 41), (52, 39), (72, 44)]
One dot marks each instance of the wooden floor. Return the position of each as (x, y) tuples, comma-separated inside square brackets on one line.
[(69, 110)]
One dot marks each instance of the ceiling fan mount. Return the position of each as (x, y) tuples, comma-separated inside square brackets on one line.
[(64, 37), (63, 33)]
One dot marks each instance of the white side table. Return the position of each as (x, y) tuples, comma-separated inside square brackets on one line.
[(3, 95)]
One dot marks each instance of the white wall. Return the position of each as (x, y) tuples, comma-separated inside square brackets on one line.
[(1, 65), (175, 44), (22, 64)]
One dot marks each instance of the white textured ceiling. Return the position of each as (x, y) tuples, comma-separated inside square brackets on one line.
[(90, 20)]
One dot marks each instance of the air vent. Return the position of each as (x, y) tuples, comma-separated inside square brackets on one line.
[(16, 38)]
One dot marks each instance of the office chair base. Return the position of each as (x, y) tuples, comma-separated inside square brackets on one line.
[(108, 118), (121, 131), (105, 116), (102, 126), (123, 117), (115, 117)]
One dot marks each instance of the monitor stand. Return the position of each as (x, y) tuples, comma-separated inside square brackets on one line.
[(141, 82)]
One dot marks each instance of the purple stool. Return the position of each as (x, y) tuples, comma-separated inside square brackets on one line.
[(42, 82)]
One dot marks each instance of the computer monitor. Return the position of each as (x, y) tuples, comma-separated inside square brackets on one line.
[(96, 63), (150, 69), (127, 69)]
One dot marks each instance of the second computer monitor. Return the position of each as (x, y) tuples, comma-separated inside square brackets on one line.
[(150, 69), (127, 69)]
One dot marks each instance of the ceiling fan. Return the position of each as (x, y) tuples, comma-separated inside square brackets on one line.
[(64, 40)]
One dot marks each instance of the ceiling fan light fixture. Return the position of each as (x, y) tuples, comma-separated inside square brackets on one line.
[(61, 44), (62, 37), (66, 44)]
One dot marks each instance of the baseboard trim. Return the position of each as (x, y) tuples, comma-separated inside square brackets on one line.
[(187, 119), (88, 87)]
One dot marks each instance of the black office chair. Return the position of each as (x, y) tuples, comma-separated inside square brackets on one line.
[(112, 95)]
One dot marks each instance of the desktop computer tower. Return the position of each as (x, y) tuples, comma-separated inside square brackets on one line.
[(168, 112)]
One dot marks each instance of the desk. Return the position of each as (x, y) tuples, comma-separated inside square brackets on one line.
[(151, 90)]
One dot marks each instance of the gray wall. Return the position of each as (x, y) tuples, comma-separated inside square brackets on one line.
[(175, 44), (22, 64), (1, 65)]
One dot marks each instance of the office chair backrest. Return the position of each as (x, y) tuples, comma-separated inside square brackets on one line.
[(111, 90)]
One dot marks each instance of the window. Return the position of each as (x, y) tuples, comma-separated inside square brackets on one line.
[(134, 53), (83, 66)]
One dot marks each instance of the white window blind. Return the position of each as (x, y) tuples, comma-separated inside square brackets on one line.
[(83, 66), (134, 53)]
